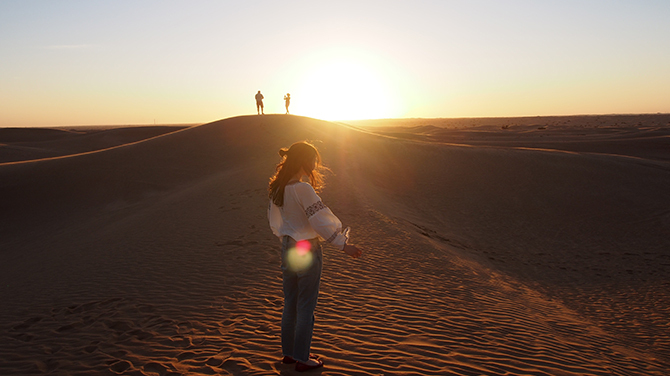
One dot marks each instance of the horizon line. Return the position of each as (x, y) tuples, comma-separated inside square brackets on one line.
[(337, 120)]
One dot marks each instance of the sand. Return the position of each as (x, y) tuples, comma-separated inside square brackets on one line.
[(488, 251), (20, 144)]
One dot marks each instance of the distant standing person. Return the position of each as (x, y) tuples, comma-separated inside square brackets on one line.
[(259, 103), (287, 99), (302, 221)]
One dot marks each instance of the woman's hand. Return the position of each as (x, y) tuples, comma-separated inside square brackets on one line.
[(352, 251)]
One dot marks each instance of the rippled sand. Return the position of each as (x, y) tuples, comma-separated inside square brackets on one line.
[(516, 251)]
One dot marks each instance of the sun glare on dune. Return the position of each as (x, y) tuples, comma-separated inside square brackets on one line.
[(345, 89)]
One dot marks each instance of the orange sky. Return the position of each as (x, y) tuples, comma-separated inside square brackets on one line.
[(140, 62)]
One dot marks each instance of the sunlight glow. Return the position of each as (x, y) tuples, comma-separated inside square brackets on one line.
[(346, 89)]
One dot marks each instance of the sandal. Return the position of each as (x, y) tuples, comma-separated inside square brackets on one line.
[(301, 367), (289, 359)]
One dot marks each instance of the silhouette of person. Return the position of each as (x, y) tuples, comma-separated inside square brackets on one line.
[(259, 103), (287, 99)]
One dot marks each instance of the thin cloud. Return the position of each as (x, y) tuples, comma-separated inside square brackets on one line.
[(68, 46)]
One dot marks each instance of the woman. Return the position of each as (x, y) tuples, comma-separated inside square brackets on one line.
[(300, 219)]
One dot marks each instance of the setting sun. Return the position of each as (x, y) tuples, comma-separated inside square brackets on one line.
[(345, 89)]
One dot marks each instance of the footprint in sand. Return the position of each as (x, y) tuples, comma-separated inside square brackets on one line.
[(120, 366)]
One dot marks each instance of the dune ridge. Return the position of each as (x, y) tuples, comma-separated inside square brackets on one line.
[(26, 144), (155, 258)]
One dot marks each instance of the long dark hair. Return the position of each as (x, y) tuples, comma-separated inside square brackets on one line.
[(300, 155)]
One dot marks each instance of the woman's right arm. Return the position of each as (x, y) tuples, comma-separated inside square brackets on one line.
[(323, 221)]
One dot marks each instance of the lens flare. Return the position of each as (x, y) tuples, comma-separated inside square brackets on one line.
[(303, 247), (300, 258)]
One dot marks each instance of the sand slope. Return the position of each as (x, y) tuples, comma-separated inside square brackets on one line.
[(155, 258), (21, 144), (644, 136)]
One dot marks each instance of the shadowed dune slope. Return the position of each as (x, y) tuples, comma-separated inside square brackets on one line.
[(155, 258), (21, 144)]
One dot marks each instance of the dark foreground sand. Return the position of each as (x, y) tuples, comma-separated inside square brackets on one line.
[(489, 251), (18, 144)]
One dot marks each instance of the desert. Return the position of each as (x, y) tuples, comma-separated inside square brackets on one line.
[(494, 246)]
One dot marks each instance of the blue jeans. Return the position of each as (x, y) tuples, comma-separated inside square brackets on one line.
[(301, 291)]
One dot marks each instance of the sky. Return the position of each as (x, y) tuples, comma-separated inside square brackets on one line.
[(95, 62)]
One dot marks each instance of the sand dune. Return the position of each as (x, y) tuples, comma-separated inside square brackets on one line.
[(20, 144), (155, 258), (643, 136)]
